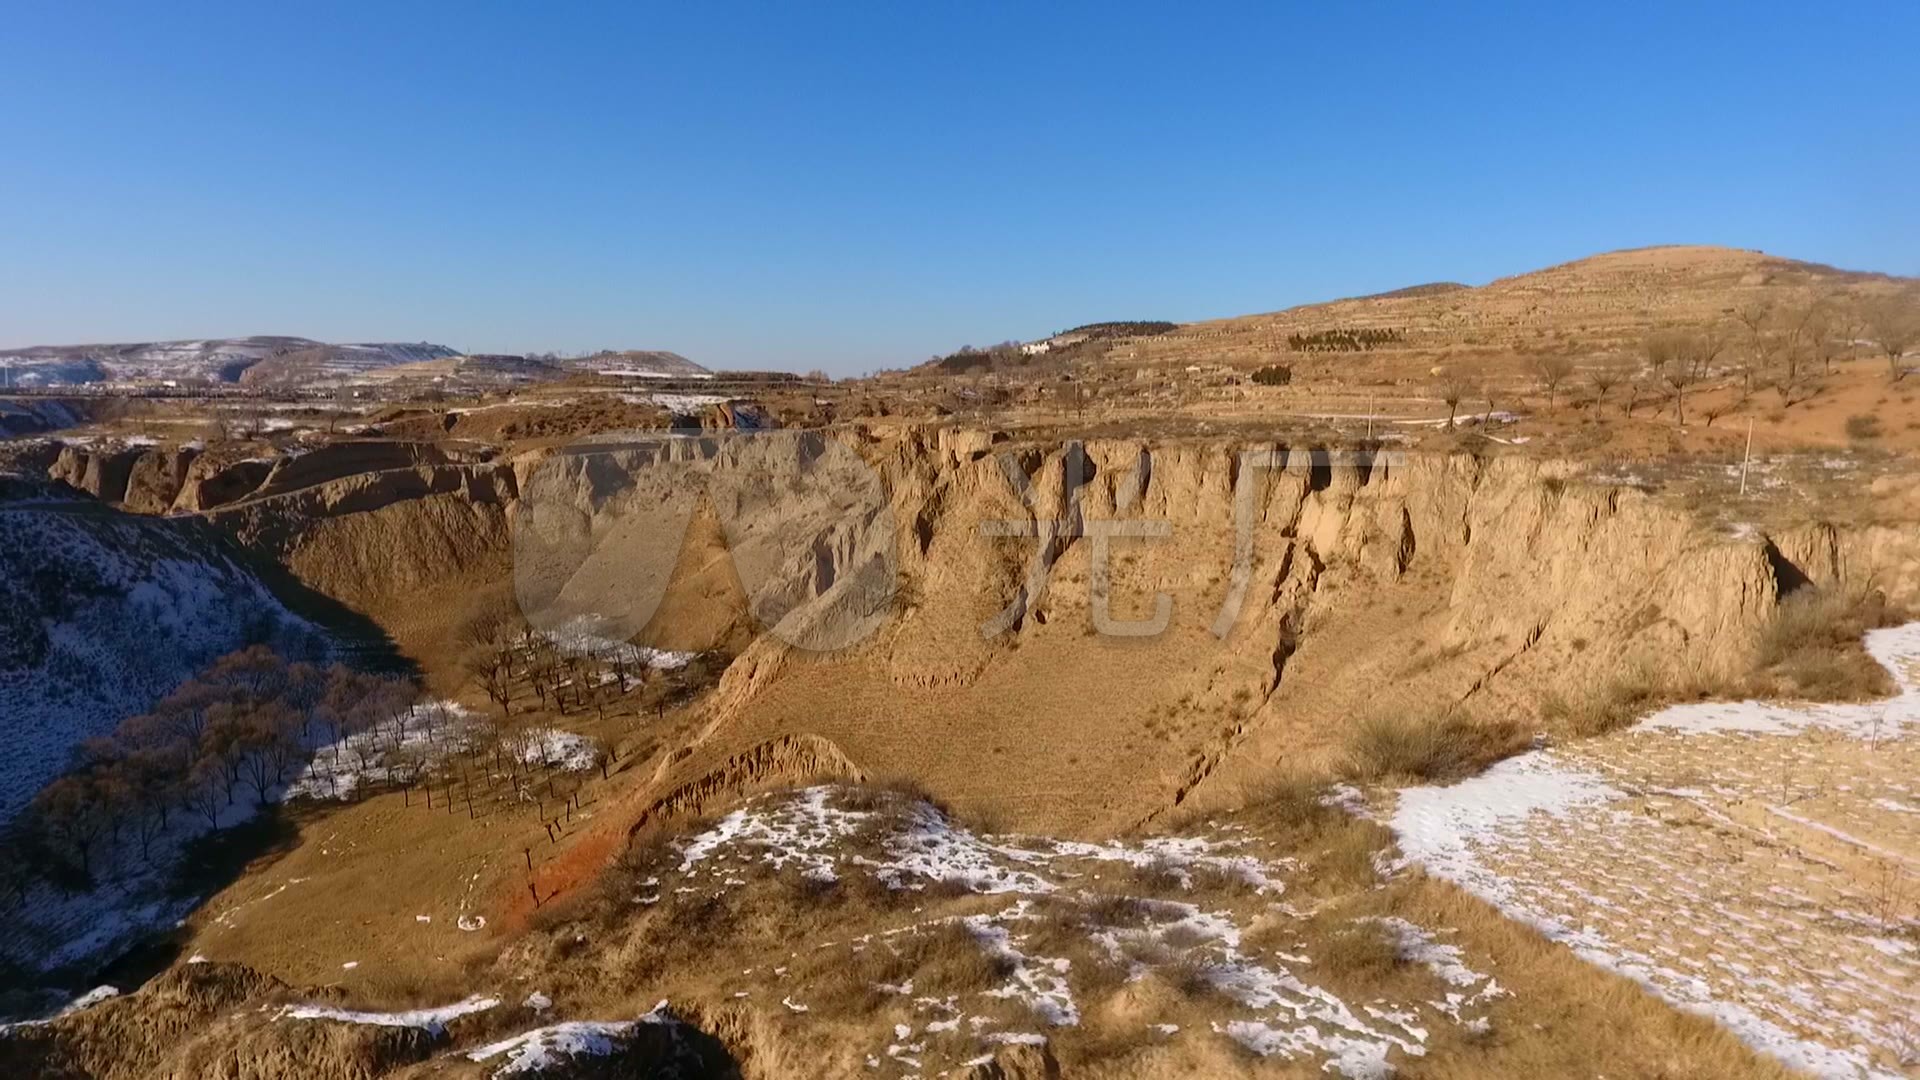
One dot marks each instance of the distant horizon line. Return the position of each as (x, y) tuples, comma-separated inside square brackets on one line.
[(9, 353)]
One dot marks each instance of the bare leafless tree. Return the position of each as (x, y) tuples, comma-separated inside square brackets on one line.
[(1453, 390), (1604, 378), (1893, 323), (1852, 323), (1756, 322), (1552, 370), (1683, 358), (490, 668), (1823, 347), (1795, 328)]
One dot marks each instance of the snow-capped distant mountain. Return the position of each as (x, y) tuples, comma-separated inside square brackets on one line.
[(207, 360), (639, 364)]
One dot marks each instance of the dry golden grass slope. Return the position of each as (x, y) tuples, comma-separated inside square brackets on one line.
[(1593, 304)]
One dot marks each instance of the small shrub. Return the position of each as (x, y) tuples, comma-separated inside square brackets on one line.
[(1117, 910), (1863, 427), (948, 959), (1609, 707), (1190, 975), (1161, 874), (1343, 859), (1359, 950), (1828, 676), (1396, 746), (1813, 643), (1292, 800)]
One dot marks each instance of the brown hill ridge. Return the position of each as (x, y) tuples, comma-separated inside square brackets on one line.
[(1604, 302)]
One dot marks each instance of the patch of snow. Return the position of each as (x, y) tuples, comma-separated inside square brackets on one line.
[(558, 749), (1438, 827), (432, 1021), (89, 999), (1179, 854), (1489, 833), (425, 733), (1360, 1059), (1896, 648), (549, 1047), (1040, 983), (1417, 945), (684, 404), (587, 636), (801, 832)]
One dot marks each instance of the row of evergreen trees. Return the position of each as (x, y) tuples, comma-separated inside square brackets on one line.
[(1345, 340)]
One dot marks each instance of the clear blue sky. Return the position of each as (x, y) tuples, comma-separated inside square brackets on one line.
[(849, 187)]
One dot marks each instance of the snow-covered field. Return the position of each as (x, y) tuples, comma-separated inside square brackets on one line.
[(1755, 862), (589, 636), (427, 734), (102, 614)]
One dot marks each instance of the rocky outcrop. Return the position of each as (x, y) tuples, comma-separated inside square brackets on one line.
[(200, 1020), (1882, 557), (219, 478), (150, 479), (157, 478), (788, 760), (338, 461), (101, 472), (204, 1020)]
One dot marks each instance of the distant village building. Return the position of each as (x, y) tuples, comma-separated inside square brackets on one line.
[(1057, 341)]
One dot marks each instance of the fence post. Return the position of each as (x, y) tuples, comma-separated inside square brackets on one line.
[(1746, 458)]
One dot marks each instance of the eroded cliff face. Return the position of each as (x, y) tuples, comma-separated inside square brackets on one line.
[(151, 479), (1300, 591), (1257, 598), (407, 547), (1878, 556), (399, 531)]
